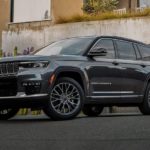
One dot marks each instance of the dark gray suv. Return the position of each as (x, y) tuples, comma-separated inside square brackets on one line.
[(84, 73)]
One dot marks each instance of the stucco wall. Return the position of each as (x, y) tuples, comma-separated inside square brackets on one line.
[(67, 8), (137, 29), (4, 16)]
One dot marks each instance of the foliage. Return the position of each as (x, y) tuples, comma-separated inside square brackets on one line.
[(88, 7), (103, 16), (98, 6)]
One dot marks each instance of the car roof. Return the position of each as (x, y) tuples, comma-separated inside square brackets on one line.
[(123, 38), (112, 37), (95, 37)]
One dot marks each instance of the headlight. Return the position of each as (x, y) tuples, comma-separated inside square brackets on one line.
[(33, 64)]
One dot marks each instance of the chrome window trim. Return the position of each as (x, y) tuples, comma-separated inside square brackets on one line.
[(113, 92), (120, 96)]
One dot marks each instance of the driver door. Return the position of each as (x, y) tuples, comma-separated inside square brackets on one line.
[(104, 74)]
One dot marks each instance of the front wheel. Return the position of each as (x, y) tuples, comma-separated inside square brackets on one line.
[(66, 100), (6, 114), (92, 110)]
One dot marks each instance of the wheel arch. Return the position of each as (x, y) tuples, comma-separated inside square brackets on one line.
[(75, 73)]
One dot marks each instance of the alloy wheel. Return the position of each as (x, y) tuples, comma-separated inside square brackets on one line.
[(65, 98)]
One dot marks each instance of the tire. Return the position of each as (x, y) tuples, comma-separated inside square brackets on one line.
[(6, 114), (92, 110), (145, 106), (66, 100)]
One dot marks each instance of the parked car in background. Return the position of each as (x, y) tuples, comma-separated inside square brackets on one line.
[(83, 73)]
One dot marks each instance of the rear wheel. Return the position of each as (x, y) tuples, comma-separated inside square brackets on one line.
[(66, 100), (6, 114), (145, 106), (92, 110)]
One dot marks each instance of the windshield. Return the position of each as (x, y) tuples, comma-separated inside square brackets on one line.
[(74, 46)]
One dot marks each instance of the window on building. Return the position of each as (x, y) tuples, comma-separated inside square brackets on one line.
[(30, 10)]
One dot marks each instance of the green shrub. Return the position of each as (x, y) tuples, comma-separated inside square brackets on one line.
[(98, 6), (103, 16)]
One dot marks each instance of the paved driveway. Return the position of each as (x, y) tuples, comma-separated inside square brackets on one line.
[(107, 132)]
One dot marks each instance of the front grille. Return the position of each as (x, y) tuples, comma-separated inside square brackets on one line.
[(8, 68), (8, 87)]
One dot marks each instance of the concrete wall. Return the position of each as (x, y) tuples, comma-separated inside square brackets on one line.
[(4, 16), (137, 28)]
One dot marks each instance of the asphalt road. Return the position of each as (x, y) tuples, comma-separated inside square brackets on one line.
[(116, 132)]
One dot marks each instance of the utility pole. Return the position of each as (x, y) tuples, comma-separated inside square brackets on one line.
[(138, 3), (130, 4)]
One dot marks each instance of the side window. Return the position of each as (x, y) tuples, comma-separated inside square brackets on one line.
[(145, 52), (126, 50), (108, 45)]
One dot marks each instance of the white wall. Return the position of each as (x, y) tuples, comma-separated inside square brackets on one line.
[(144, 3), (31, 10), (137, 29)]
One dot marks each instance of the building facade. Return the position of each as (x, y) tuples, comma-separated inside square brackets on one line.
[(34, 14), (23, 11), (37, 10), (128, 4), (132, 4)]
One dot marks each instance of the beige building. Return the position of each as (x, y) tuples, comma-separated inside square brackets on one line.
[(129, 4), (4, 16), (66, 8), (31, 13), (40, 10), (25, 11)]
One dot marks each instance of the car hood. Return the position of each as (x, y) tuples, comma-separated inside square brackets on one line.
[(38, 58), (24, 58)]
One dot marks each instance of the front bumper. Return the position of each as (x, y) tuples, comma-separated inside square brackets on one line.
[(26, 93), (24, 101)]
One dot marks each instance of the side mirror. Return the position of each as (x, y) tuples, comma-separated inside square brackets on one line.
[(98, 52)]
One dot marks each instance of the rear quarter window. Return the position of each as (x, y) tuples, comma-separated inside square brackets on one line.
[(145, 52)]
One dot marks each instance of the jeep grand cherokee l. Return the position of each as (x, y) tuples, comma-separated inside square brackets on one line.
[(83, 73)]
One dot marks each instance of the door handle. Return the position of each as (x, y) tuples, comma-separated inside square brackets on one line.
[(115, 63), (143, 65)]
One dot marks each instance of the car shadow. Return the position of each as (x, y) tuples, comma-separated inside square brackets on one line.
[(38, 119), (113, 115), (121, 114)]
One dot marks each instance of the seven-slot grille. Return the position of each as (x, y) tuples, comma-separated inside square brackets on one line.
[(8, 68)]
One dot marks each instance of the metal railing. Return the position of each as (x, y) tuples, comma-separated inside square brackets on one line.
[(120, 11), (140, 9)]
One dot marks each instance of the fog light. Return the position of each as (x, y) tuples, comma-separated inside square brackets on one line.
[(31, 87), (25, 84)]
